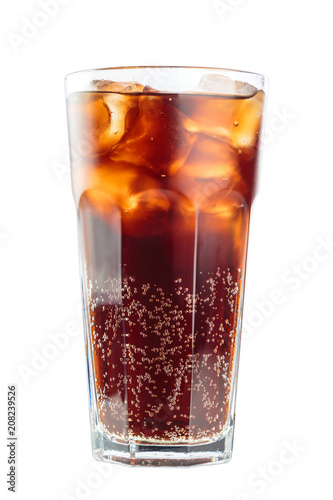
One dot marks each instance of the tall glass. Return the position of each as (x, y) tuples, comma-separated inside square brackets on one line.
[(164, 167)]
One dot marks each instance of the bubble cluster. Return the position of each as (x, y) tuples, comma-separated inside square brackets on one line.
[(163, 360)]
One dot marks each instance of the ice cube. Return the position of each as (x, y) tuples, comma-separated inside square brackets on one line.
[(224, 205), (210, 114), (247, 122), (209, 158), (115, 180), (148, 88), (99, 203), (159, 137), (221, 84), (98, 121), (211, 167), (121, 87), (225, 214), (146, 213), (236, 120)]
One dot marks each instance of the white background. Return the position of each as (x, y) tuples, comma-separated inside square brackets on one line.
[(284, 396)]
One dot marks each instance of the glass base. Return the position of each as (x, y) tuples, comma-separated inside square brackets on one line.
[(164, 455)]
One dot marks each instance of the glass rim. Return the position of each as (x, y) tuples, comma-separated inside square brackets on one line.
[(147, 67), (167, 79)]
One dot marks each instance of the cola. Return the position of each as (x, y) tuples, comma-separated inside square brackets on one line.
[(163, 183)]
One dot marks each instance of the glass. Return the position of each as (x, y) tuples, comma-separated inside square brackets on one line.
[(164, 167)]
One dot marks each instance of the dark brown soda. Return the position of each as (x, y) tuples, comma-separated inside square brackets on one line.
[(164, 214)]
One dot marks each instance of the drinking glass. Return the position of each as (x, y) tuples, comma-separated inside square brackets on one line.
[(164, 165)]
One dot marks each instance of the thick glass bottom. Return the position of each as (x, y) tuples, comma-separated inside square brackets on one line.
[(163, 455)]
